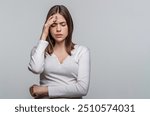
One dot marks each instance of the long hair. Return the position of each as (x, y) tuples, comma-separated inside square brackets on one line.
[(62, 10)]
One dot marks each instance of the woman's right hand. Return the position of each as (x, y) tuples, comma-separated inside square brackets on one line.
[(46, 27)]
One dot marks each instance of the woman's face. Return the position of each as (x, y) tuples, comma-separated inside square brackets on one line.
[(59, 29)]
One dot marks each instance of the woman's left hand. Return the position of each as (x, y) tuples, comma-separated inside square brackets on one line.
[(38, 91)]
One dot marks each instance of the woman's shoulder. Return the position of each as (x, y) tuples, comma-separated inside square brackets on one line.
[(80, 49)]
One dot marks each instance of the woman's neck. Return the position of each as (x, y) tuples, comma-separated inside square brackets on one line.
[(60, 46)]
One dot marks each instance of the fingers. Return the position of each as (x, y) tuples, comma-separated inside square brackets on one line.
[(32, 90), (53, 18), (50, 21)]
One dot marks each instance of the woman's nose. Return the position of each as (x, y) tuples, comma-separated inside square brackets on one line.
[(58, 28)]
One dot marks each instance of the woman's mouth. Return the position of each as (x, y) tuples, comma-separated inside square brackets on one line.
[(58, 35)]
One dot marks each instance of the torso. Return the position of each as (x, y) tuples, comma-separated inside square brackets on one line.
[(61, 70)]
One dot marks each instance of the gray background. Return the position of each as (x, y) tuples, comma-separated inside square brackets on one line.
[(116, 31)]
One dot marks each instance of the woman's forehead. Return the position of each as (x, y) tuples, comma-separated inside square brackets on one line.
[(60, 18)]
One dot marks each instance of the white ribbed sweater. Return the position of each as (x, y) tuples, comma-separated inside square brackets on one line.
[(67, 79)]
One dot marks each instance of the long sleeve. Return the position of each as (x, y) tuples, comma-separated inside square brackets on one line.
[(80, 88), (36, 64)]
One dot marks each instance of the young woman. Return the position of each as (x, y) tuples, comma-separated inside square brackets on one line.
[(64, 67)]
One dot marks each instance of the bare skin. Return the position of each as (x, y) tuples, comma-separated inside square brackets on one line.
[(59, 31)]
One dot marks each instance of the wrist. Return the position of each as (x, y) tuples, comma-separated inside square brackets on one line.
[(43, 37), (45, 90)]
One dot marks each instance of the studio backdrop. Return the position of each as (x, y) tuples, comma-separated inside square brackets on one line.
[(117, 32)]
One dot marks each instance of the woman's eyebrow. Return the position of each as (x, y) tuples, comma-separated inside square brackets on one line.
[(61, 22)]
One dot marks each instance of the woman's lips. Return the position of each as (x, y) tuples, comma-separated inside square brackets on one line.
[(58, 35)]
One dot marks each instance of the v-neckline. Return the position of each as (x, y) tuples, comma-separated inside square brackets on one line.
[(53, 54), (59, 60)]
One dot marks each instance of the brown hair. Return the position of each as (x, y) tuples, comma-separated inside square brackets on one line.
[(62, 10)]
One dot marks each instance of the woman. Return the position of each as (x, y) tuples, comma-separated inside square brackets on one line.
[(64, 67)]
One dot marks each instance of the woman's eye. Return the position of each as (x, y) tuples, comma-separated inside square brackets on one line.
[(53, 25), (63, 24)]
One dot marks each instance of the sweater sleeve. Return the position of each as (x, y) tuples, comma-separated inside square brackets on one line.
[(36, 64), (80, 88)]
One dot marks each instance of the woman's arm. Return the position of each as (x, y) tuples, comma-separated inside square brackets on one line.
[(37, 55), (36, 64)]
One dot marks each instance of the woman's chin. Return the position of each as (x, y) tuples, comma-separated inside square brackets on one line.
[(59, 40)]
